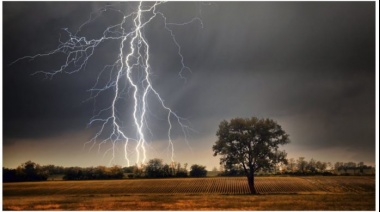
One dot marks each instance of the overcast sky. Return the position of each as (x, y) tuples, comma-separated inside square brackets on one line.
[(308, 65)]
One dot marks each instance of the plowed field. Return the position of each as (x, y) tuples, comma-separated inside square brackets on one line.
[(222, 185), (204, 193)]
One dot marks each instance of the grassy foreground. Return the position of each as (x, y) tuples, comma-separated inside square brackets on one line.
[(196, 202)]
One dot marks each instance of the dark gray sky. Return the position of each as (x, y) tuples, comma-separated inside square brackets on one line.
[(308, 65)]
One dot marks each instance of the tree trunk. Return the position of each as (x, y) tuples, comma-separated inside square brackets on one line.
[(251, 183)]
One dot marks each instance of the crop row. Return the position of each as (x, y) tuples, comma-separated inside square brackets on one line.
[(218, 185)]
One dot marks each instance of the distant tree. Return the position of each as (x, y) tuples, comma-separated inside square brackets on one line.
[(311, 166), (338, 166), (349, 165), (321, 166), (291, 165), (253, 143), (233, 170), (100, 172), (180, 172), (116, 172), (167, 171), (198, 171), (9, 175), (278, 161), (154, 168), (301, 164), (73, 173), (128, 169), (30, 171), (178, 168), (361, 167), (138, 171), (93, 173), (52, 169)]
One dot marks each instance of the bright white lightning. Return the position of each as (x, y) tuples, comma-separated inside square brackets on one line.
[(131, 66)]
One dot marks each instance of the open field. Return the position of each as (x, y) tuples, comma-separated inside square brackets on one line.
[(219, 193)]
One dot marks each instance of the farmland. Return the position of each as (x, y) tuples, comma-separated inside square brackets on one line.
[(218, 193)]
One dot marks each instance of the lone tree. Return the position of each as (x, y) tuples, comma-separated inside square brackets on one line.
[(253, 143)]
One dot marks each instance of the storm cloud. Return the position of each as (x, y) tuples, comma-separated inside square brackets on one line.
[(308, 65)]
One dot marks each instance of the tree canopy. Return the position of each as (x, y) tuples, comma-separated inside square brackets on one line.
[(198, 171), (253, 143)]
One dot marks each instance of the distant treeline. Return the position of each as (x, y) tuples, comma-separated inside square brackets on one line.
[(301, 167), (155, 168), (28, 171)]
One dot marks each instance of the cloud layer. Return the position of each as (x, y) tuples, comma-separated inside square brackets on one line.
[(308, 65)]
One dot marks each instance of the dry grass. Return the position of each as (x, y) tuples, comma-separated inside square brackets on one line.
[(316, 193), (196, 202)]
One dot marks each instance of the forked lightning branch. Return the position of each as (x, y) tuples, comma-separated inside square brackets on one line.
[(130, 76)]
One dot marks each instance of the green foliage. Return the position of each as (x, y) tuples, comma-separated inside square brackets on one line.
[(198, 171), (253, 143)]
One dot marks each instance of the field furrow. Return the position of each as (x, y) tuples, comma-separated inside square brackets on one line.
[(217, 185)]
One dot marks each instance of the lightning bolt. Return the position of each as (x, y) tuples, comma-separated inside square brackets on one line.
[(131, 67)]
